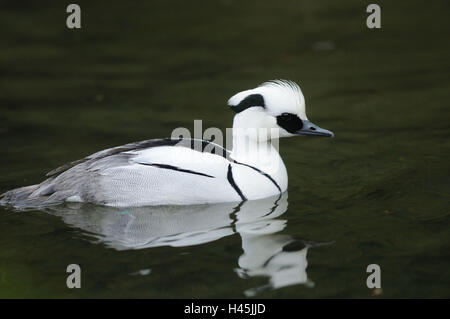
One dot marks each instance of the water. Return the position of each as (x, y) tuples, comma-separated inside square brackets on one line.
[(376, 193)]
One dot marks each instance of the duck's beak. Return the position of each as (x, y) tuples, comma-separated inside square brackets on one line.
[(310, 128)]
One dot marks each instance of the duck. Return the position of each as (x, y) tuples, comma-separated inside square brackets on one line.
[(187, 171)]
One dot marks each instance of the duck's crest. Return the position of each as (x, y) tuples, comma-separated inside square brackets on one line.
[(290, 91), (284, 84)]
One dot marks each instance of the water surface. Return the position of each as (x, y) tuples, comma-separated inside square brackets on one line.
[(376, 193)]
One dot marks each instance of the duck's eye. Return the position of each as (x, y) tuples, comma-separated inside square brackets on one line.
[(290, 122)]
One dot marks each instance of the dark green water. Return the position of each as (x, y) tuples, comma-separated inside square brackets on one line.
[(379, 192)]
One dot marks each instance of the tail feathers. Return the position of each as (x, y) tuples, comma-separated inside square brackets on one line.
[(29, 197)]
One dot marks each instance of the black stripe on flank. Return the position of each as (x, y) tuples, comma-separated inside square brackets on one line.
[(177, 169), (262, 173), (233, 183), (213, 148), (207, 147)]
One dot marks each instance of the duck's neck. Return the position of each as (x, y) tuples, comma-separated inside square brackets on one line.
[(261, 154)]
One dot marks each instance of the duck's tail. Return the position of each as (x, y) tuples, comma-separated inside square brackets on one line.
[(24, 197)]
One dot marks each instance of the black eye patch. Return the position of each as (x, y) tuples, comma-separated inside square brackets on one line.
[(249, 101), (290, 122)]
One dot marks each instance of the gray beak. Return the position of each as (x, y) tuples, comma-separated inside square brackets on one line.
[(310, 128)]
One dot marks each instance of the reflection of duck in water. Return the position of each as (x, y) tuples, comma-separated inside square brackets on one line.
[(277, 256), (266, 253), (176, 226)]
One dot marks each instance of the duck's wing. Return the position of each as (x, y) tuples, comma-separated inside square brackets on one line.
[(196, 144)]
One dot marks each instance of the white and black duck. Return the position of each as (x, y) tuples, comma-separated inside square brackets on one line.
[(186, 171)]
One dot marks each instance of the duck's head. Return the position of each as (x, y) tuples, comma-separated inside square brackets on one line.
[(275, 105)]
